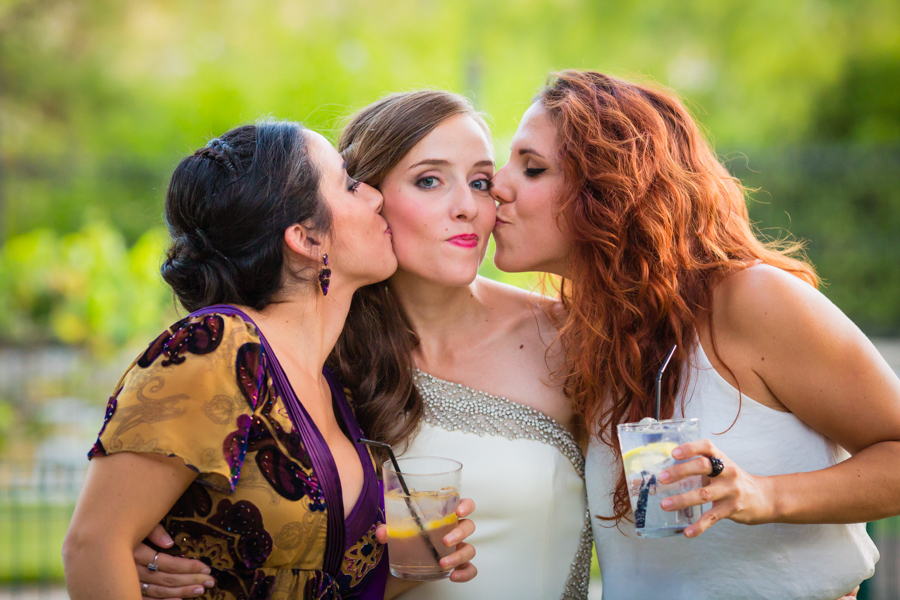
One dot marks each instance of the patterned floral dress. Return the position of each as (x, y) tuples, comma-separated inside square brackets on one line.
[(266, 510)]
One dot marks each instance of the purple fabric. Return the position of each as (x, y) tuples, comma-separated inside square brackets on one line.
[(340, 534)]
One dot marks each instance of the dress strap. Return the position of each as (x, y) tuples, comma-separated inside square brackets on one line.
[(319, 454)]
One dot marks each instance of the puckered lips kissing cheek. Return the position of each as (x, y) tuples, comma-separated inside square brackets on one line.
[(466, 240)]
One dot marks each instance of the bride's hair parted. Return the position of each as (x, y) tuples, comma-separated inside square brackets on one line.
[(656, 220), (374, 354)]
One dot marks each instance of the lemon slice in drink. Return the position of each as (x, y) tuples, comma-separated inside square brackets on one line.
[(648, 458), (409, 528)]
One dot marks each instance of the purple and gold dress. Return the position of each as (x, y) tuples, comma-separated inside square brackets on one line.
[(266, 510)]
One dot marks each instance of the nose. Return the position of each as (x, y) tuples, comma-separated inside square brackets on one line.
[(372, 196), (501, 190), (465, 207)]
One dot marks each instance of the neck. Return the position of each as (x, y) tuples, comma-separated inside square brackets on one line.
[(442, 316), (303, 327)]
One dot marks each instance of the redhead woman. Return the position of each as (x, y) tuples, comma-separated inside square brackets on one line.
[(446, 363), (228, 428), (612, 187)]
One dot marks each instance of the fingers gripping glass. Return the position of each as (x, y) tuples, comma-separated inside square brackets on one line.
[(420, 499)]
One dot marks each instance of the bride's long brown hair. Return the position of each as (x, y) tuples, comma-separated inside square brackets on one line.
[(656, 220), (374, 354)]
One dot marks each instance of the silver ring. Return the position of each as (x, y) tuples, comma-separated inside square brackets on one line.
[(144, 588), (153, 566)]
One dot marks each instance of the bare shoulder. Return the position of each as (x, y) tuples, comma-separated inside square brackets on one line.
[(759, 298), (525, 312)]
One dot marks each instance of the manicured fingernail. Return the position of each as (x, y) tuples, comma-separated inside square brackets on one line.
[(445, 562), (209, 583), (664, 476), (667, 503), (677, 452), (199, 591), (205, 571), (450, 540), (689, 532)]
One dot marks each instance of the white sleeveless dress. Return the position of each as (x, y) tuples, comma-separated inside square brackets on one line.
[(525, 473), (788, 562)]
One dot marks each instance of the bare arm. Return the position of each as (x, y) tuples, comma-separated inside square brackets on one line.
[(123, 497), (819, 366)]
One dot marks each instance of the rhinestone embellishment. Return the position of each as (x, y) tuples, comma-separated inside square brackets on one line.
[(455, 407)]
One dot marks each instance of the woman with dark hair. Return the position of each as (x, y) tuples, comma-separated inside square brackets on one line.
[(612, 187), (442, 362), (228, 429)]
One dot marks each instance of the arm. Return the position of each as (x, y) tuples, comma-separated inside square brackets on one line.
[(819, 366), (113, 514)]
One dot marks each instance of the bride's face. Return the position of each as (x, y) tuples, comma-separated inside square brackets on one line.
[(529, 233), (438, 204)]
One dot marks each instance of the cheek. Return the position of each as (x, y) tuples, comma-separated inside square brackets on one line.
[(410, 223)]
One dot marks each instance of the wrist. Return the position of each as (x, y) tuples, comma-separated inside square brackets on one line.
[(778, 504)]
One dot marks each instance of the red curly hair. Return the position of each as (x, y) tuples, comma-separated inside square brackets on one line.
[(656, 221)]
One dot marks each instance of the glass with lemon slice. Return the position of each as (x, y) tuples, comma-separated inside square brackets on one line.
[(418, 521), (646, 452)]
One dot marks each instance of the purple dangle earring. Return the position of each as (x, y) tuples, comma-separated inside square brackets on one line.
[(324, 276)]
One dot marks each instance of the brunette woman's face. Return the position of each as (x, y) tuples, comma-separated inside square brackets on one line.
[(360, 249), (437, 201), (528, 188)]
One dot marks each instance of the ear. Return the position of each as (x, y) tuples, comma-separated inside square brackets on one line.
[(298, 239)]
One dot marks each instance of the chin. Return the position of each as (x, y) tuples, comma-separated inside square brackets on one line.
[(506, 263)]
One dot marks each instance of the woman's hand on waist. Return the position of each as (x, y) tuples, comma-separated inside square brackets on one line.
[(174, 577)]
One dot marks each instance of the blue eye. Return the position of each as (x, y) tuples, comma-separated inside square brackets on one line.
[(482, 185), (428, 182)]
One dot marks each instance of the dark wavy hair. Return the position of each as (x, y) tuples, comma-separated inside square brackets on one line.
[(656, 221), (373, 355), (227, 207)]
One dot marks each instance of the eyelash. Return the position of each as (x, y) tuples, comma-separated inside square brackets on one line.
[(488, 183), (354, 185), (533, 172)]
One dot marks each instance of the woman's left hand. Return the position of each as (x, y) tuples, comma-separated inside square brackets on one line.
[(734, 493), (463, 570)]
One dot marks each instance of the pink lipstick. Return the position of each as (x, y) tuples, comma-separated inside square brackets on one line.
[(469, 240)]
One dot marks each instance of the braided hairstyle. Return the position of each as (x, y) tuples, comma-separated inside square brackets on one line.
[(227, 207)]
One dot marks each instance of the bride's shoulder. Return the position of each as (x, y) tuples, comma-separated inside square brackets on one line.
[(524, 307)]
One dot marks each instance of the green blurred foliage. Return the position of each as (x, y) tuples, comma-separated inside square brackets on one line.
[(99, 99), (83, 288)]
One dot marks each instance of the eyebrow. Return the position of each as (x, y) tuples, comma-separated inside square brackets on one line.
[(439, 162), (531, 151)]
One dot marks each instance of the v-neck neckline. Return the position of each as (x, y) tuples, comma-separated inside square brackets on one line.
[(323, 463)]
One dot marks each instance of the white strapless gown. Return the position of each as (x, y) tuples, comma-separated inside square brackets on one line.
[(525, 473)]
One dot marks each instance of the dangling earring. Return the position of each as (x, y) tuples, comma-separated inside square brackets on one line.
[(324, 276)]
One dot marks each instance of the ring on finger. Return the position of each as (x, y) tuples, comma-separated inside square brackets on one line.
[(153, 566), (717, 466), (144, 588)]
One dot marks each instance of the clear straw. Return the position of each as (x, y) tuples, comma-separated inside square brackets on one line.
[(659, 377), (407, 497)]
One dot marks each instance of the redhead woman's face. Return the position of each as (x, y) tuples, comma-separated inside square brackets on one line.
[(528, 234), (437, 201), (360, 251)]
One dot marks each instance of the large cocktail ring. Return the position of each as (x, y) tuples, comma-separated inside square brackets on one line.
[(717, 466)]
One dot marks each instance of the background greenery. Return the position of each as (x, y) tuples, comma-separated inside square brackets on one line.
[(99, 99)]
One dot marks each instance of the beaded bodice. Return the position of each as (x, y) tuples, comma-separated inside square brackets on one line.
[(455, 407)]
